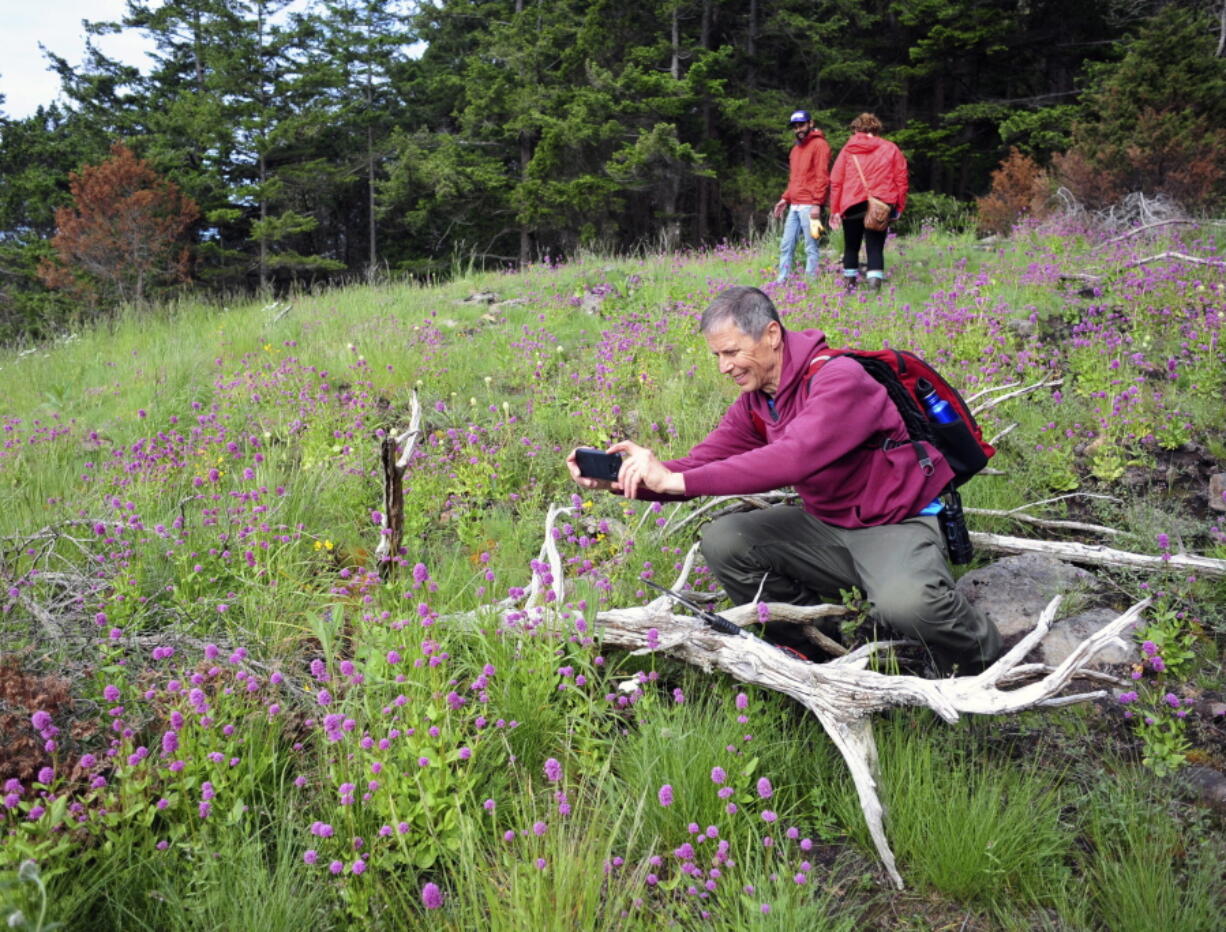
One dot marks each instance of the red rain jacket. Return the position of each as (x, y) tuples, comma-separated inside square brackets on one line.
[(808, 171), (884, 168)]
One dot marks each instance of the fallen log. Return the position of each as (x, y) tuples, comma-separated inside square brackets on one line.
[(1098, 555), (843, 693)]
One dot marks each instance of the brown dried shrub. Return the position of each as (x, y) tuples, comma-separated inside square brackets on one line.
[(1020, 189), (1091, 185)]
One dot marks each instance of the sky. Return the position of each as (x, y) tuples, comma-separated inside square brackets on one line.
[(25, 80)]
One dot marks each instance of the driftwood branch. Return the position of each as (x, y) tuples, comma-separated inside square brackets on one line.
[(1049, 523), (1142, 229), (999, 399), (1178, 257), (1096, 277), (1097, 555), (395, 462), (1004, 432), (971, 399), (842, 694)]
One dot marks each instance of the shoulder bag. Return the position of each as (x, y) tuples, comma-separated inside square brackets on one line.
[(877, 216)]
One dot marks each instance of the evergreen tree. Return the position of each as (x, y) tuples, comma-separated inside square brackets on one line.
[(356, 51), (1155, 120)]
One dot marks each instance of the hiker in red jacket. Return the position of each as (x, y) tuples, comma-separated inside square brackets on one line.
[(867, 165), (802, 200), (866, 517)]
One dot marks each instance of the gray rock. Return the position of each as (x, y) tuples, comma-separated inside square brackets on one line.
[(1067, 633), (1013, 591), (1022, 326), (1208, 784), (1217, 491)]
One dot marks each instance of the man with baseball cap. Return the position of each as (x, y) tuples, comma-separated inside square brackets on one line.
[(808, 185)]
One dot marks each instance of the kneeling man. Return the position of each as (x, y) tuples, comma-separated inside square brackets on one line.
[(865, 517)]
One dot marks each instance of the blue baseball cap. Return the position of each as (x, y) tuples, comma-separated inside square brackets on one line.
[(799, 116)]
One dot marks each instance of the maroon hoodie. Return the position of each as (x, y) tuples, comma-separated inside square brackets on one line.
[(824, 439)]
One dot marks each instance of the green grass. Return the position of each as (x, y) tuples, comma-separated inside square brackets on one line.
[(978, 830), (1012, 834), (1144, 868)]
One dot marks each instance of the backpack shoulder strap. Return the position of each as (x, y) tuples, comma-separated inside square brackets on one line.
[(886, 375)]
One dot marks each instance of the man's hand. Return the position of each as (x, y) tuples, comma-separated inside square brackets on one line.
[(780, 208), (836, 221), (641, 469)]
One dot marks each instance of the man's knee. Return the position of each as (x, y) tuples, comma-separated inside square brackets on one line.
[(724, 542), (903, 609)]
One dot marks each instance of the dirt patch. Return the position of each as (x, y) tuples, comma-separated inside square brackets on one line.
[(23, 751)]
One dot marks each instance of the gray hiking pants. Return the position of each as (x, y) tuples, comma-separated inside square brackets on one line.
[(900, 568)]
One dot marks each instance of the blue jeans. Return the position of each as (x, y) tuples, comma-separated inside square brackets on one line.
[(796, 224)]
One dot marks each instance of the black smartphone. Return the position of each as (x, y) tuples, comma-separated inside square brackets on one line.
[(596, 464)]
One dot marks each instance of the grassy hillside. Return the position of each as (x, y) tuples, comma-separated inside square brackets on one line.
[(217, 716)]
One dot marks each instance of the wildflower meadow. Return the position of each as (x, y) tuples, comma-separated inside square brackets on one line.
[(218, 714)]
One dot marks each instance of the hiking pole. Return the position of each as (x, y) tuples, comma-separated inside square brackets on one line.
[(718, 622), (723, 625)]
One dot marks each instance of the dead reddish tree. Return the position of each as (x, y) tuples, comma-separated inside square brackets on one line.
[(124, 233)]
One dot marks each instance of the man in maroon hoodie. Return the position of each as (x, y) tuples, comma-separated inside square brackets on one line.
[(866, 516)]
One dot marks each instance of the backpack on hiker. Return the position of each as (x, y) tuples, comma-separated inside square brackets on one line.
[(932, 411), (902, 374)]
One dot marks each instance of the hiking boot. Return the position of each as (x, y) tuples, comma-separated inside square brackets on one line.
[(849, 283), (874, 283)]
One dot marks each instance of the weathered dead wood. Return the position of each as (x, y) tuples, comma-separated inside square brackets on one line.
[(47, 621), (1095, 277), (1176, 256), (803, 615), (1004, 432), (1142, 229), (1044, 382), (843, 694), (971, 399), (1017, 514), (394, 465), (1098, 555)]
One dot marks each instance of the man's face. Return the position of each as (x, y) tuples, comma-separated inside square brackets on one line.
[(802, 130), (753, 364)]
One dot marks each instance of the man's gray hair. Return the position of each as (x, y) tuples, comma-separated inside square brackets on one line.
[(749, 308)]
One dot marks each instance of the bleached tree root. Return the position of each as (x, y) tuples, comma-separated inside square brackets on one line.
[(843, 694), (1098, 555)]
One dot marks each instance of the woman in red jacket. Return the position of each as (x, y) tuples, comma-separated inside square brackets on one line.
[(867, 165)]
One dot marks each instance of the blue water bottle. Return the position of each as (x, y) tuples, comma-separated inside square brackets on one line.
[(939, 410)]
